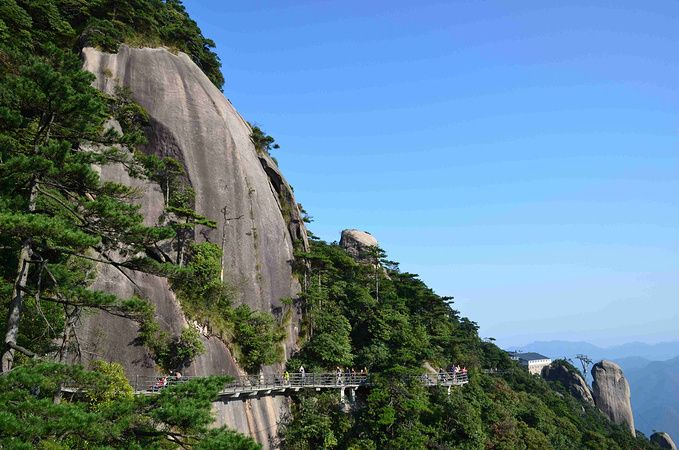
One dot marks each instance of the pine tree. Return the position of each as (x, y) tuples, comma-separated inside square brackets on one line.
[(54, 208)]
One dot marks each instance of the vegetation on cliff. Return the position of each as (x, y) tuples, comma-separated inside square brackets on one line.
[(60, 222), (394, 332), (59, 219), (28, 26), (39, 411), (253, 336)]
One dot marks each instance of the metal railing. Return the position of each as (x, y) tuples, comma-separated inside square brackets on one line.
[(295, 381)]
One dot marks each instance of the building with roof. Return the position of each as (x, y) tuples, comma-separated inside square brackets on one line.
[(534, 362)]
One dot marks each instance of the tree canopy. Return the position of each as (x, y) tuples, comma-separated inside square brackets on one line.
[(369, 314)]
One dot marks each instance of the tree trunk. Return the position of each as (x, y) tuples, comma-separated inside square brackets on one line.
[(377, 284), (180, 250), (72, 315), (17, 303), (58, 394)]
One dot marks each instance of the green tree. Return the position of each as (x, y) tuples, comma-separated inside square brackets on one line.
[(257, 337), (330, 345), (53, 205), (262, 141), (179, 416)]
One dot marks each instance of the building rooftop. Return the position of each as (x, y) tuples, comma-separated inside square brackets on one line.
[(530, 356)]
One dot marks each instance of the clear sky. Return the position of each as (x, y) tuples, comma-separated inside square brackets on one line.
[(520, 156)]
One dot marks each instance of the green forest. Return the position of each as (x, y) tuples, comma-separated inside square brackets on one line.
[(59, 220)]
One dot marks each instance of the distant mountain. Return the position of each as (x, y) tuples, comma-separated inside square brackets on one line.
[(632, 362), (655, 396), (652, 352)]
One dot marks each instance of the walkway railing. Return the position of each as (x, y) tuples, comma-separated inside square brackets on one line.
[(254, 384)]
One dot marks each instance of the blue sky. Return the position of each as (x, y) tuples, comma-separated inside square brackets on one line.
[(520, 156)]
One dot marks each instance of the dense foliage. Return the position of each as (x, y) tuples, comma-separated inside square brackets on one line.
[(39, 410), (365, 314), (75, 24), (263, 142), (254, 336)]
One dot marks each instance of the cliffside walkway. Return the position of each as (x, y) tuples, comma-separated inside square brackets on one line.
[(264, 385)]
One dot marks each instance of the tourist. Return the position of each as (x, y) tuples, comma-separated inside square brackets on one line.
[(302, 374), (339, 375), (286, 377), (161, 383)]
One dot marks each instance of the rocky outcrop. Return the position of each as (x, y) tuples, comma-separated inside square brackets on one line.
[(611, 393), (570, 379), (663, 440), (286, 201), (357, 243), (258, 222)]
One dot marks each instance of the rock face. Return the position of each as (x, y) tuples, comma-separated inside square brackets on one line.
[(258, 221), (357, 242), (663, 440), (575, 384), (612, 394)]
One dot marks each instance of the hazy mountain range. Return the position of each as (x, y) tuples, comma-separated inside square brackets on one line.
[(655, 396), (633, 352), (651, 369)]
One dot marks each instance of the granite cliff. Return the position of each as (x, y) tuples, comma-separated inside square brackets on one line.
[(258, 221)]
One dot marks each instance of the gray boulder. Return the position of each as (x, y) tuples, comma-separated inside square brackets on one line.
[(612, 393), (572, 380), (663, 440), (357, 243)]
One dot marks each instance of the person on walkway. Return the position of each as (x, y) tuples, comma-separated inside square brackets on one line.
[(302, 374), (353, 375), (339, 375), (178, 376), (286, 377), (161, 383)]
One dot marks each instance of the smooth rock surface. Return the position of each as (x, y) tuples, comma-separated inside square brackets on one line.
[(611, 393), (663, 440), (573, 381), (357, 242), (193, 122)]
